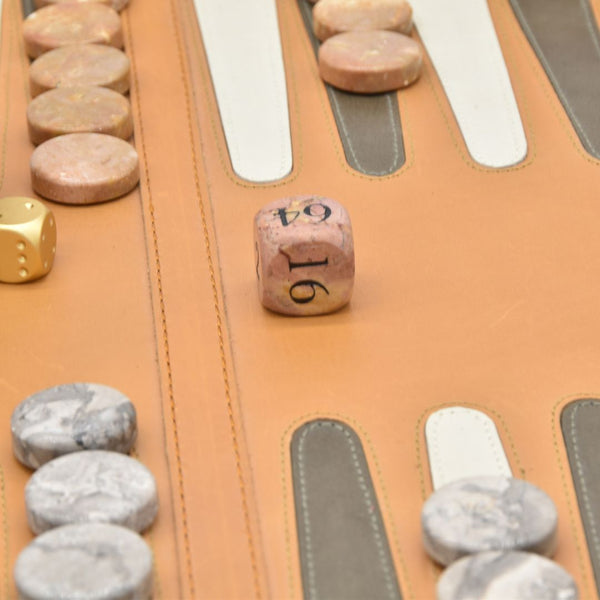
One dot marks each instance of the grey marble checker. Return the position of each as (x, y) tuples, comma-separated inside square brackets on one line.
[(69, 418), (90, 561), (95, 486), (506, 576), (488, 513)]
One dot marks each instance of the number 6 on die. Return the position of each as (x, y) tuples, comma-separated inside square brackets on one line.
[(304, 255)]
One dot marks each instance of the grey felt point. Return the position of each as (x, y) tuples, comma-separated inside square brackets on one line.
[(506, 575), (488, 513), (69, 418), (91, 561), (88, 486)]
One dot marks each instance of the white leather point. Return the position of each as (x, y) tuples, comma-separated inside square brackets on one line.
[(463, 46), (242, 43), (463, 442)]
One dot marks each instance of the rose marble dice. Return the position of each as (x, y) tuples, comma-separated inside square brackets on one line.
[(27, 239), (304, 255)]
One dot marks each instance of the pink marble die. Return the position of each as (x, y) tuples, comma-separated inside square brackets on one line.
[(304, 255)]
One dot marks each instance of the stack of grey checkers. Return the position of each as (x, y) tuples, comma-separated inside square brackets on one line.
[(494, 534), (87, 500)]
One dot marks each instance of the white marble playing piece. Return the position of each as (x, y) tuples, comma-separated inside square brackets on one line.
[(72, 417), (95, 486), (463, 442), (506, 575), (488, 513), (91, 561)]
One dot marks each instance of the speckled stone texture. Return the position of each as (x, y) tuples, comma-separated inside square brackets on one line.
[(80, 64), (78, 109), (369, 62), (331, 17), (92, 561), (84, 168), (69, 418), (488, 513), (96, 486), (63, 24), (304, 255), (506, 576)]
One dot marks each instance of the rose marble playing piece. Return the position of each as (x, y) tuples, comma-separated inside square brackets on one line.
[(331, 17), (488, 513), (80, 64), (506, 575), (91, 486), (79, 109), (84, 168), (370, 62), (69, 418), (90, 561), (305, 255), (63, 24)]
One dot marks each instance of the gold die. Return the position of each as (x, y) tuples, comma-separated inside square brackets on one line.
[(27, 239)]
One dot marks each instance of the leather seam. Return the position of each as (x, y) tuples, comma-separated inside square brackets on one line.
[(429, 74), (580, 472), (573, 513), (217, 309), (163, 319), (563, 119), (219, 138), (385, 506), (368, 501)]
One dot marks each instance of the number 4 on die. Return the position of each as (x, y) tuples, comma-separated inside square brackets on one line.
[(304, 255)]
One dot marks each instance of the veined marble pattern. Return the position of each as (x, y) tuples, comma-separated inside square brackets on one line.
[(506, 575), (95, 486), (69, 418), (488, 513), (85, 561)]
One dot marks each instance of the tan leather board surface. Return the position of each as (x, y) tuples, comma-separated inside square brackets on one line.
[(476, 287)]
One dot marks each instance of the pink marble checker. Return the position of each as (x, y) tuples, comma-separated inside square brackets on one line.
[(305, 255), (84, 168), (80, 64), (81, 108), (71, 23), (370, 62), (331, 17)]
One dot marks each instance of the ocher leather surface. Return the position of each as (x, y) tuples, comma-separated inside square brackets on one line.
[(474, 287)]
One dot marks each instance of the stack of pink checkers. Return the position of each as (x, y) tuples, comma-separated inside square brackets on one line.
[(78, 115), (366, 45)]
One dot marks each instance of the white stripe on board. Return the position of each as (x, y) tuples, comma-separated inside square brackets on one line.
[(241, 38), (463, 442), (462, 43)]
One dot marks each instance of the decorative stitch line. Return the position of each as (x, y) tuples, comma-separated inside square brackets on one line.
[(219, 326), (368, 500), (163, 317)]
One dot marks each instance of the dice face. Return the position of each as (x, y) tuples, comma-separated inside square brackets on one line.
[(27, 239), (304, 255)]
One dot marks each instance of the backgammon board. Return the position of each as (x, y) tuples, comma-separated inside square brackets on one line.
[(474, 199)]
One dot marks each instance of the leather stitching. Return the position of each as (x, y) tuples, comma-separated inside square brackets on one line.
[(210, 100), (368, 502), (252, 549), (403, 575), (11, 17), (162, 308), (559, 448)]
